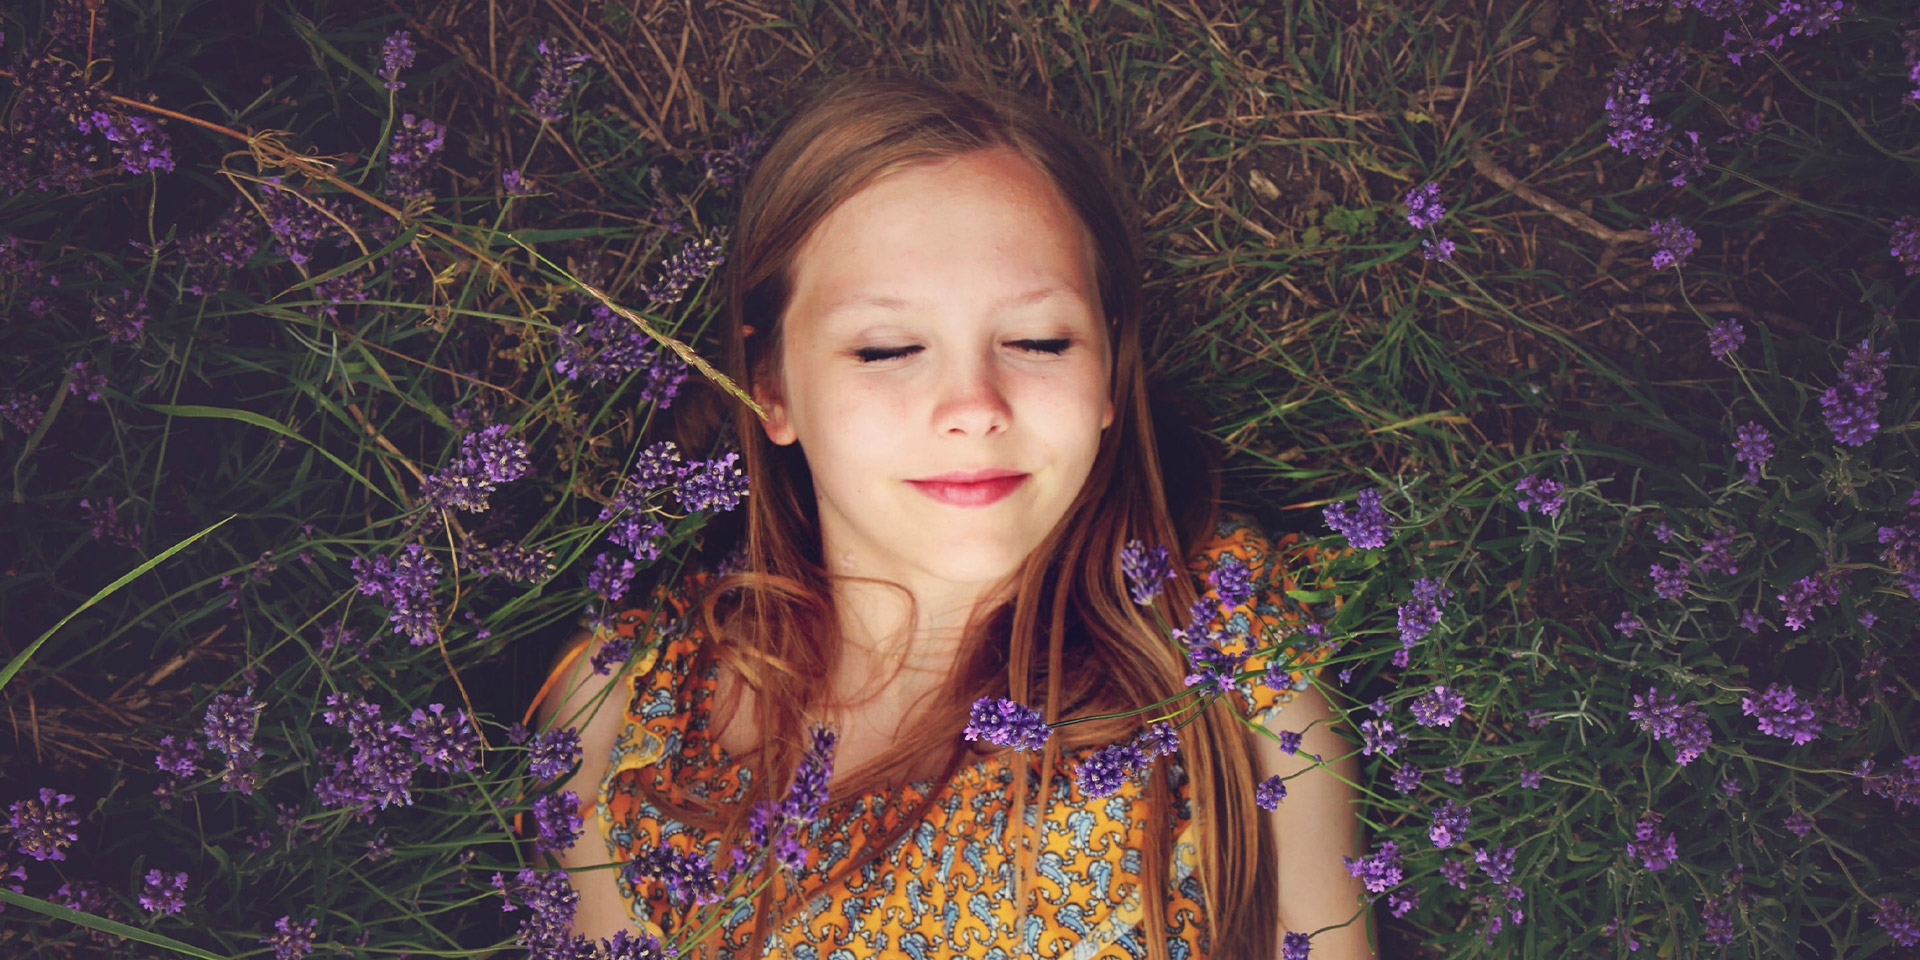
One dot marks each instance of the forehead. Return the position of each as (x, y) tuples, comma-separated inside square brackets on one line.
[(983, 231)]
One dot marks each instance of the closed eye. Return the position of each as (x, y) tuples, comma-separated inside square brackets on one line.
[(879, 354)]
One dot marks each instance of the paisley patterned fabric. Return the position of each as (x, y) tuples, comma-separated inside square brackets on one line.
[(945, 890)]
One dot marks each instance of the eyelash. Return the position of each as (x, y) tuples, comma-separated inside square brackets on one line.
[(882, 354)]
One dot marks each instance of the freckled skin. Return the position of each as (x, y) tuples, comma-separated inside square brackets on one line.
[(952, 240)]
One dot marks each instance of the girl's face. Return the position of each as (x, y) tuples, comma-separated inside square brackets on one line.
[(944, 319)]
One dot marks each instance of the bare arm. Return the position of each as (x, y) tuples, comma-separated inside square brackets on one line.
[(1316, 825), (573, 701)]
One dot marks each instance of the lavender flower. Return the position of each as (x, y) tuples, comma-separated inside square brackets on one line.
[(139, 142), (712, 485), (1691, 159), (515, 183), (1753, 448), (1805, 594), (616, 650), (1379, 737), (1809, 17), (556, 80), (447, 744), (688, 877), (227, 245), (1158, 740), (1438, 707), (122, 317), (1146, 570), (1654, 849), (1406, 778), (163, 895), (610, 576), (230, 725), (1423, 206), (1676, 243), (1108, 769), (1419, 615), (24, 411), (1268, 794), (1716, 916), (1716, 554), (380, 770), (554, 752), (178, 758), (1232, 581), (1450, 823), (1541, 493), (1906, 241), (1294, 946), (557, 817), (1379, 870), (608, 346), (1367, 526), (1780, 713), (514, 561), (405, 585), (40, 828), (1627, 623), (1725, 337), (809, 788), (547, 930), (1630, 91), (1007, 723), (396, 54), (1852, 407), (86, 380), (1670, 584), (726, 166), (1899, 924), (1289, 742), (1531, 779), (410, 156), (1664, 717), (1441, 251), (686, 267), (295, 939), (106, 524)]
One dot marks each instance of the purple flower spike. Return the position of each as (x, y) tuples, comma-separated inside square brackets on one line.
[(1656, 850), (1676, 243), (1725, 337), (295, 939), (1852, 406), (1780, 713), (1146, 570), (1423, 206), (1268, 794), (396, 54), (1450, 823), (40, 828), (1108, 769), (556, 80), (1366, 526), (1007, 723), (164, 895), (1542, 493), (1380, 870), (557, 818), (554, 753), (1906, 241)]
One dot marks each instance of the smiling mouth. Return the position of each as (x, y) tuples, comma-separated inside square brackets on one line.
[(981, 494)]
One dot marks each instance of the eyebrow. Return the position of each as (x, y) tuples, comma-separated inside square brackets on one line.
[(896, 304)]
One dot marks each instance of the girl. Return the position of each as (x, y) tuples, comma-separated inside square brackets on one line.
[(933, 293)]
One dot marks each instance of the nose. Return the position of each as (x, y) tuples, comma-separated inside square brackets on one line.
[(972, 396)]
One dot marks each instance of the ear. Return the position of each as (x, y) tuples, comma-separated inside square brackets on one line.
[(1107, 421), (778, 424)]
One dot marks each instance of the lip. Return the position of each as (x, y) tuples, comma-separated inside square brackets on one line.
[(970, 476), (981, 493)]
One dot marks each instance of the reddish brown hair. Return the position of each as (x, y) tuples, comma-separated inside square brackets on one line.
[(1153, 479)]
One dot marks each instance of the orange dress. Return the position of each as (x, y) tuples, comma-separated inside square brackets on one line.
[(946, 888)]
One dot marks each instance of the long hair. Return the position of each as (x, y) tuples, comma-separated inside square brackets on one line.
[(1153, 479)]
